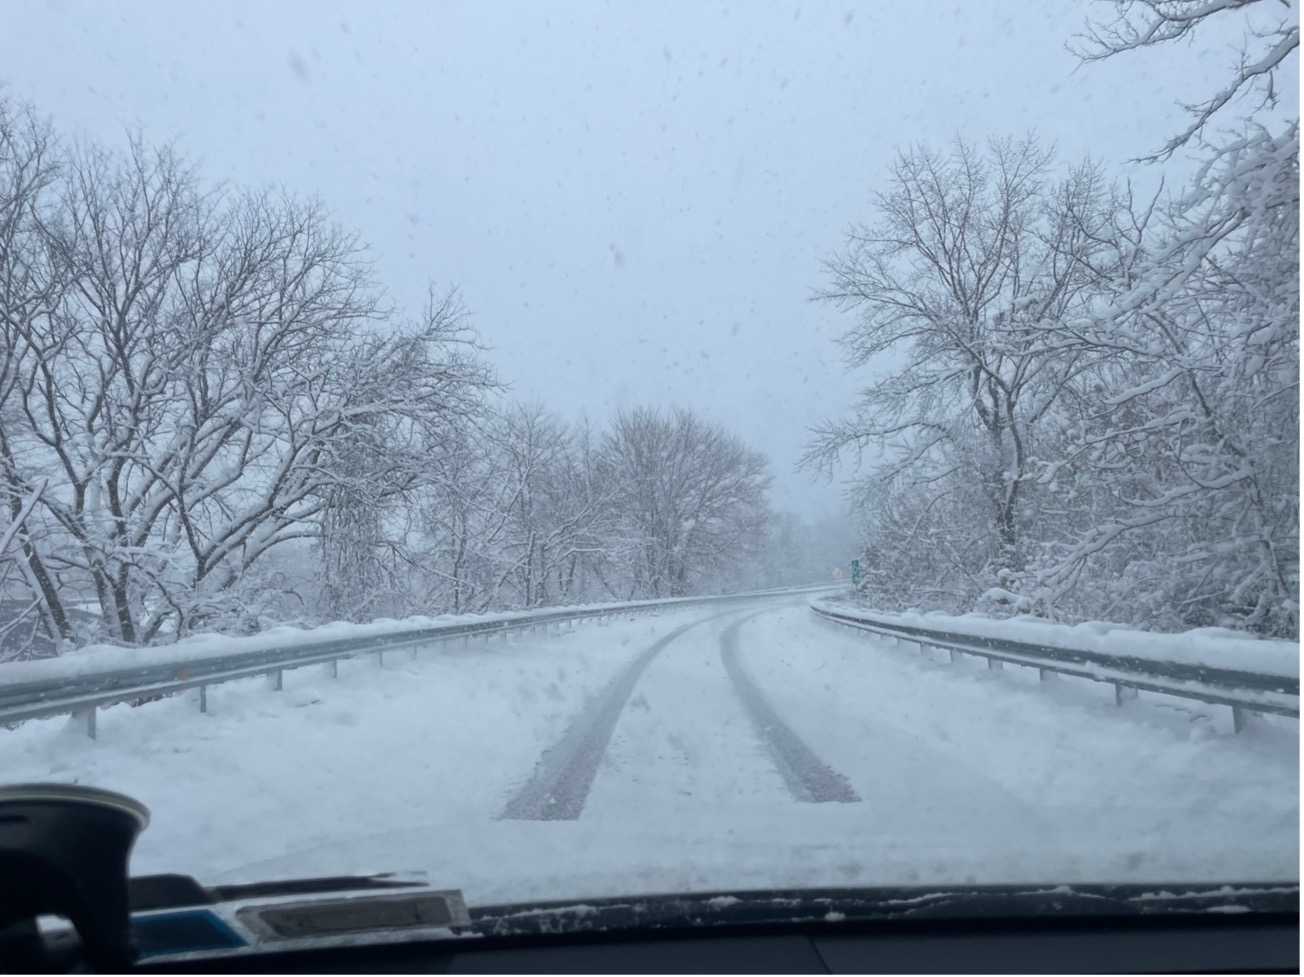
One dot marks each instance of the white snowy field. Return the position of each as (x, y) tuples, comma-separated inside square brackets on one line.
[(963, 775)]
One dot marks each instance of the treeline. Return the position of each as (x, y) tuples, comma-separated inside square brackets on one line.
[(1090, 408), (213, 418)]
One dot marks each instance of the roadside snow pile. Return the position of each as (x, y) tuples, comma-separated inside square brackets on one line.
[(101, 658), (104, 658), (1211, 647)]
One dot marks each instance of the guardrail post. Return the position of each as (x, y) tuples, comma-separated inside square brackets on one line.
[(1046, 674), (203, 698), (335, 667), (1123, 693), (274, 680), (994, 664), (955, 656), (1240, 719), (87, 718)]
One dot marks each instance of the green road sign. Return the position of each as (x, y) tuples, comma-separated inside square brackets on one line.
[(855, 572)]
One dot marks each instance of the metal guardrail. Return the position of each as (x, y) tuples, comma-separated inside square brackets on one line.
[(82, 695), (1244, 691)]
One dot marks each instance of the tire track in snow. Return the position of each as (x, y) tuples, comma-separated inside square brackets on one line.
[(808, 778), (565, 772)]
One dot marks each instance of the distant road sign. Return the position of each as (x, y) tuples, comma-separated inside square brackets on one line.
[(837, 573), (855, 571)]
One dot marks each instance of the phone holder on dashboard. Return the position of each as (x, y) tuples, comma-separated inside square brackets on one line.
[(64, 851)]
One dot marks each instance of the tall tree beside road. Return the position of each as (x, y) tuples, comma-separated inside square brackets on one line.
[(689, 499), (212, 419), (29, 166), (1196, 443), (196, 373), (972, 255), (1128, 450)]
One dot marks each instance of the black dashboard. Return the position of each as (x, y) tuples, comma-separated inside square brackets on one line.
[(974, 929), (1104, 944)]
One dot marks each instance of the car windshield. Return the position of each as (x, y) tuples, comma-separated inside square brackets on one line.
[(580, 450)]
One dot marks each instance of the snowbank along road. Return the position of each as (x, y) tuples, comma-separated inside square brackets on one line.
[(690, 750)]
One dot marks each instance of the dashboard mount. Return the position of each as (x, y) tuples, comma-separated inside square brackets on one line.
[(64, 851)]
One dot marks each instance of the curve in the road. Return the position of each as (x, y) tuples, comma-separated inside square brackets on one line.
[(808, 778), (564, 775)]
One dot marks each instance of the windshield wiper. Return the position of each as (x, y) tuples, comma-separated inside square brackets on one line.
[(149, 892)]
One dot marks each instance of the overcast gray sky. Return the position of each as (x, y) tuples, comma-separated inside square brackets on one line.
[(633, 197)]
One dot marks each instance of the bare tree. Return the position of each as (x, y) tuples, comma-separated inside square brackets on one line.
[(1188, 454), (517, 517), (690, 499), (1189, 450), (973, 255), (550, 505), (20, 596), (409, 399), (181, 385), (202, 376), (1267, 44), (209, 413), (29, 166)]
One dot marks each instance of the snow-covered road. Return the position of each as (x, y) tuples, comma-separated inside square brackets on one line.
[(566, 771), (692, 750)]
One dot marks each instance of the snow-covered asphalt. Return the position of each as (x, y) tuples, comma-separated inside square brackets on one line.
[(807, 777), (692, 750), (566, 771)]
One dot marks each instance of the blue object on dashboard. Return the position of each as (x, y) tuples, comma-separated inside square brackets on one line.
[(186, 931)]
